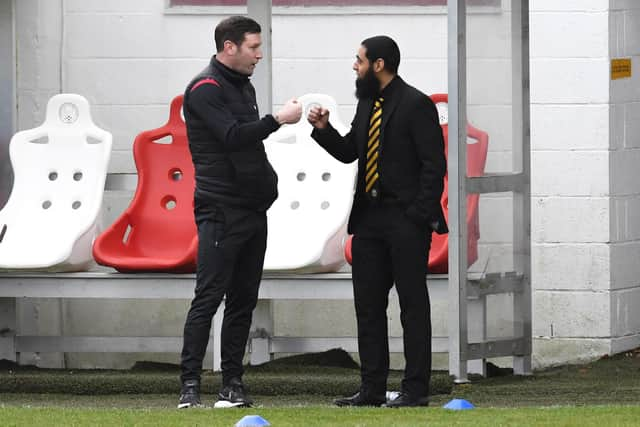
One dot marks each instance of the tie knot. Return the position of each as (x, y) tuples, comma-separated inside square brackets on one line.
[(378, 102)]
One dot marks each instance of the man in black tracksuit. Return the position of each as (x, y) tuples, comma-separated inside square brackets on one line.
[(235, 185), (396, 138)]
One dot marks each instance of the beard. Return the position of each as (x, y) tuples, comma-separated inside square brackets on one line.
[(367, 86)]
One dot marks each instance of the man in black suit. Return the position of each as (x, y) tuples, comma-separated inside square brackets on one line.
[(397, 140)]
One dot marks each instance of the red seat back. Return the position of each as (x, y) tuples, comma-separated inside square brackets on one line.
[(157, 231), (476, 159)]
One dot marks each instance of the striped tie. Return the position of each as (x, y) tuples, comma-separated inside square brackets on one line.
[(373, 145)]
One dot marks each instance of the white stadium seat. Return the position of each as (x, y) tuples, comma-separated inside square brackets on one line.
[(307, 223), (51, 217)]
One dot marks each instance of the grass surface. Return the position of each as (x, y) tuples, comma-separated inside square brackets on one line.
[(319, 416), (603, 393)]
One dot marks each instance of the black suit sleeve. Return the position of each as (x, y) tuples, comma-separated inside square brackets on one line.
[(207, 103), (343, 148), (427, 136)]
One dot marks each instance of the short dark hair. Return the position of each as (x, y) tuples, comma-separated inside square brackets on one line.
[(385, 48), (234, 29)]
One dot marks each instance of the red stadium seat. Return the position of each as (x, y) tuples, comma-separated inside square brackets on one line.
[(157, 231), (476, 160)]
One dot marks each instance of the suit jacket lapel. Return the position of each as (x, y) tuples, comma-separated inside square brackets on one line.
[(388, 107)]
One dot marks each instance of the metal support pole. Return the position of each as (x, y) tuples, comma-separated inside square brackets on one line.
[(457, 75), (260, 10), (522, 198), (7, 328), (7, 94)]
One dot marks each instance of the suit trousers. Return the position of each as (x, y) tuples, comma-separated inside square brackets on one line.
[(388, 248), (231, 249)]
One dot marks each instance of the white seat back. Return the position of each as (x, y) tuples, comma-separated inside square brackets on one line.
[(307, 223), (60, 167)]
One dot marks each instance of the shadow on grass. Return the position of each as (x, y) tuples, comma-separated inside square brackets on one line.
[(330, 373)]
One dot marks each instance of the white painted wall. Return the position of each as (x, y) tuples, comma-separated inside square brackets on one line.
[(584, 179), (570, 179), (624, 41), (131, 58)]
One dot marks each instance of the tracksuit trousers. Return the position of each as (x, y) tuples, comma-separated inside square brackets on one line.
[(232, 244)]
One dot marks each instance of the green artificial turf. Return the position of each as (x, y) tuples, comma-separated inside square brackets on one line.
[(327, 416), (287, 384)]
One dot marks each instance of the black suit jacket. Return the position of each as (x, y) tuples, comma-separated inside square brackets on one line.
[(411, 164)]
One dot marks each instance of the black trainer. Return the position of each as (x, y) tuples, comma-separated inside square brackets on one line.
[(233, 394), (406, 400), (361, 398), (190, 395)]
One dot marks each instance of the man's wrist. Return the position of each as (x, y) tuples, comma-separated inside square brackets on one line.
[(274, 120)]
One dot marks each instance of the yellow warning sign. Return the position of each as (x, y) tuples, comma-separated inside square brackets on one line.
[(620, 68)]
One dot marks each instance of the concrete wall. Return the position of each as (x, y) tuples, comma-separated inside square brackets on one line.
[(131, 58), (624, 41), (585, 193), (570, 179)]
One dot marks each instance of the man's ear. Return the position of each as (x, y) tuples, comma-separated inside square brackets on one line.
[(230, 47), (378, 65)]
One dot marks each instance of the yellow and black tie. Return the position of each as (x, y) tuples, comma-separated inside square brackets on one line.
[(373, 148)]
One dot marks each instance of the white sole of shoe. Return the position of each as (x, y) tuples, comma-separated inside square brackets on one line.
[(226, 404)]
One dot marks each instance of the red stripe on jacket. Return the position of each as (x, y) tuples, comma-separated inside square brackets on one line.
[(204, 82)]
